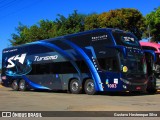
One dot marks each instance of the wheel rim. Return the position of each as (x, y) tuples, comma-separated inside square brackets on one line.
[(15, 85), (75, 86), (22, 85), (90, 86)]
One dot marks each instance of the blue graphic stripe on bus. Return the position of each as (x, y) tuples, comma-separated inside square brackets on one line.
[(114, 41), (92, 50), (95, 75), (34, 85), (5, 62), (62, 52)]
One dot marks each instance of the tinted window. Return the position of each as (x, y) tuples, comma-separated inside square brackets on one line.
[(53, 68), (82, 66), (109, 64), (58, 68), (127, 39)]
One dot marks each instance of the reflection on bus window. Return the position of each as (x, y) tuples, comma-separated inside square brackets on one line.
[(109, 64)]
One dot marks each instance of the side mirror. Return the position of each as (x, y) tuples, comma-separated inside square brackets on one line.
[(152, 53)]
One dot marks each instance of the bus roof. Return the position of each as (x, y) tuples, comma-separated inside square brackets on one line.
[(150, 44), (69, 35)]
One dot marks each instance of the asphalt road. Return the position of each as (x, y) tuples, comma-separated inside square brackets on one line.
[(62, 101)]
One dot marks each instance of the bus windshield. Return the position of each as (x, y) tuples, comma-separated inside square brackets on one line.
[(134, 64), (126, 39)]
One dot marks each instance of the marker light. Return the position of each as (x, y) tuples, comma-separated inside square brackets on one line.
[(125, 69)]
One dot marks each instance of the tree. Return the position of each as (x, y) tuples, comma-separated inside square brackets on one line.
[(153, 23), (91, 22), (73, 24), (124, 19), (21, 36), (48, 29), (42, 30)]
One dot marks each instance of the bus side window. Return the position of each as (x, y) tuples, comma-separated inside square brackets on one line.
[(38, 69), (43, 69), (67, 67), (84, 68)]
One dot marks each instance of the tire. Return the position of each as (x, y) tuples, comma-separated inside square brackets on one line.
[(89, 87), (22, 85), (75, 87), (151, 86), (151, 91), (14, 85), (136, 92)]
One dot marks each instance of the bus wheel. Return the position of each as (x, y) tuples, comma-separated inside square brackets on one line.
[(22, 85), (151, 91), (14, 85), (89, 87), (75, 87), (151, 87)]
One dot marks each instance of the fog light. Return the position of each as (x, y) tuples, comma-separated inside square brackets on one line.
[(125, 69), (125, 87)]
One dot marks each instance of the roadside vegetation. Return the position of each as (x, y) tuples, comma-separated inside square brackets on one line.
[(125, 19)]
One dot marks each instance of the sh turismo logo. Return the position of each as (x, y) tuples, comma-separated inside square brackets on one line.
[(14, 58), (38, 58), (17, 65)]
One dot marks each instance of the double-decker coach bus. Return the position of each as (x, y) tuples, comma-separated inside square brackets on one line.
[(96, 60), (153, 65)]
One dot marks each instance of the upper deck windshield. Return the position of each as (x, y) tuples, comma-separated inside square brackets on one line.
[(125, 39)]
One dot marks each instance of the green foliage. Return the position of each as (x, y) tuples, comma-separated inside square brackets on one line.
[(91, 22), (124, 19), (29, 34), (48, 29), (73, 24), (19, 38), (153, 22), (45, 29)]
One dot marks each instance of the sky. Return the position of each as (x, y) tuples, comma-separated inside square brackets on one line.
[(29, 12)]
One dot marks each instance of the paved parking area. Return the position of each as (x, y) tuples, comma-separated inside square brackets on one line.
[(62, 101)]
